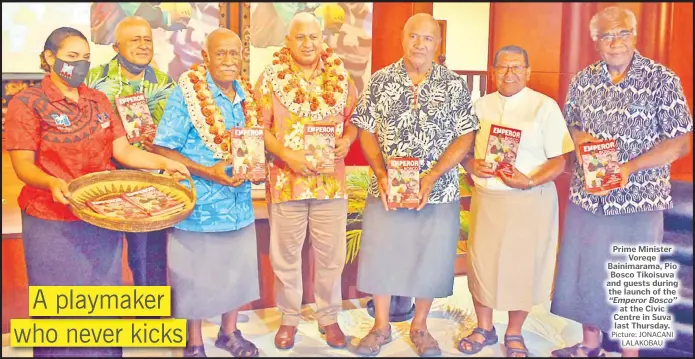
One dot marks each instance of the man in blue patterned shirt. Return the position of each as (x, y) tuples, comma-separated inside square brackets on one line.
[(640, 104), (213, 263)]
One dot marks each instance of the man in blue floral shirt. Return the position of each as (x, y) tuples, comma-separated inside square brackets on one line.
[(640, 104), (213, 259), (412, 108)]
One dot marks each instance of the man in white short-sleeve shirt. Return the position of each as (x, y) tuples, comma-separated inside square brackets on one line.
[(514, 215)]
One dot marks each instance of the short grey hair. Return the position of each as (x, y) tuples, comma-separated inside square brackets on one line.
[(612, 13), (303, 18), (511, 49)]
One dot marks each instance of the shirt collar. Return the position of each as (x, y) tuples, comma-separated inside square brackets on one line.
[(216, 92), (635, 70), (150, 76), (400, 65), (513, 98), (54, 94)]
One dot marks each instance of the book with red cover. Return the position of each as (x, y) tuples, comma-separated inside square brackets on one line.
[(502, 146), (600, 165), (153, 201), (248, 153), (117, 208), (404, 182), (136, 117), (319, 146)]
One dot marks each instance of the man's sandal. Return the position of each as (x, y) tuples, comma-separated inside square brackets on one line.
[(512, 351), (425, 344), (489, 336), (578, 351)]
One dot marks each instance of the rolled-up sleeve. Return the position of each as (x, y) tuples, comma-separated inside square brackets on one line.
[(673, 114), (464, 116), (175, 124), (364, 116), (22, 126)]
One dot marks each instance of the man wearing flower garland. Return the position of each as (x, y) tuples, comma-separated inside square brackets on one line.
[(213, 262), (412, 108), (127, 74), (306, 84)]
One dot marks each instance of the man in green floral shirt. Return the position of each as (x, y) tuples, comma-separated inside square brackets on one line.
[(129, 73)]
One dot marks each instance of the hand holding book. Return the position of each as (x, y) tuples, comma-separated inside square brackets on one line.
[(517, 180), (297, 161), (426, 184), (482, 169), (218, 173)]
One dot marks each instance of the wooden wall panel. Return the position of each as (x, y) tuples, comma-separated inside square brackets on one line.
[(538, 31), (534, 26)]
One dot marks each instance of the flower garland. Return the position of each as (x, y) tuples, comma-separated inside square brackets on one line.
[(294, 91), (206, 115)]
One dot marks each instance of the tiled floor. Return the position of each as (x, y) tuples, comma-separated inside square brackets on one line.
[(450, 319)]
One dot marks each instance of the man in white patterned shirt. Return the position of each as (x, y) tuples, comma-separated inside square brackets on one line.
[(412, 108), (639, 103)]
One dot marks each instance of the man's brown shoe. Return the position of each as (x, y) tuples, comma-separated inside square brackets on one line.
[(334, 336), (284, 339)]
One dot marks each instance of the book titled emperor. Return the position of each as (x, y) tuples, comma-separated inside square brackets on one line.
[(319, 146), (248, 153), (404, 182), (153, 201), (502, 146), (136, 117), (117, 208), (600, 165)]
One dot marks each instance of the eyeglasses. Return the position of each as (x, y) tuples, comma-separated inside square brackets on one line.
[(515, 69), (623, 35)]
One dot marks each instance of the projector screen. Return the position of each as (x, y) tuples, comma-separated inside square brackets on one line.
[(177, 40)]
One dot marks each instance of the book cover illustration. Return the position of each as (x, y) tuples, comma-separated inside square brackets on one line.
[(502, 147), (136, 117), (319, 146), (117, 208), (248, 153), (154, 201), (600, 165), (404, 182)]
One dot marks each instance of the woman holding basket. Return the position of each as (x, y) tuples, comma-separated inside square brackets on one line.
[(55, 132)]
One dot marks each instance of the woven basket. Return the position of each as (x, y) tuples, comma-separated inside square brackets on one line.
[(109, 184)]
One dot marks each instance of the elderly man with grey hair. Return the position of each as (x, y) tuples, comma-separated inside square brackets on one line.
[(213, 258), (512, 250), (640, 104), (417, 109)]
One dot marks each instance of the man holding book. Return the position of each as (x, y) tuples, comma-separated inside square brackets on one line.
[(306, 98), (413, 109), (213, 260), (639, 104), (138, 87), (519, 151)]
